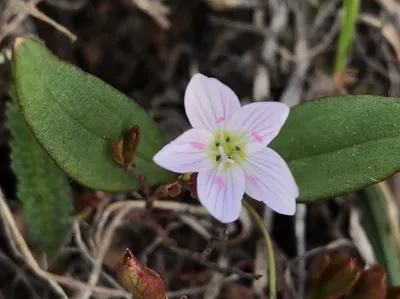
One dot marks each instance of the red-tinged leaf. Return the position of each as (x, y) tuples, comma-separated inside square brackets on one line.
[(393, 293), (174, 190), (338, 258), (139, 280), (338, 277), (371, 285), (317, 267)]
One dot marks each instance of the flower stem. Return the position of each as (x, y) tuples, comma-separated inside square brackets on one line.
[(270, 251)]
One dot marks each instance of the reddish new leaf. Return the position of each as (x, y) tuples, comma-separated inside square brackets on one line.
[(371, 284), (139, 280), (317, 267), (174, 190), (339, 277), (332, 276)]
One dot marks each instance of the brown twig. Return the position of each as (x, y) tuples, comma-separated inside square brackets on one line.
[(104, 245), (212, 243), (27, 254), (197, 257), (294, 89), (144, 187), (53, 279), (140, 204), (216, 281), (199, 289), (340, 243), (32, 10)]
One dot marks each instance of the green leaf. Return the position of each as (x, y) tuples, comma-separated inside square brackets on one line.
[(42, 187), (338, 145), (76, 117), (377, 209), (350, 15)]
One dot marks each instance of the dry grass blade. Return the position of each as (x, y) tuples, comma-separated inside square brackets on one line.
[(387, 29), (18, 10), (156, 9)]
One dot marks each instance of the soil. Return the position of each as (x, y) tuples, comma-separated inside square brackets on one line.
[(268, 50)]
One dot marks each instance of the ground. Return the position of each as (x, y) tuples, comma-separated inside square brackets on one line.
[(149, 49)]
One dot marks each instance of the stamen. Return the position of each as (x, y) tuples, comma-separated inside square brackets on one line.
[(224, 156), (256, 136), (198, 145), (222, 152), (228, 139), (220, 120), (221, 182)]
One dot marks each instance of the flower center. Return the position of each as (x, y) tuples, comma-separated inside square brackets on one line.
[(227, 149)]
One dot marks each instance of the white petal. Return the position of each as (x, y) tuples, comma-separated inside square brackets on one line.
[(209, 103), (221, 192), (258, 123), (269, 179), (187, 153)]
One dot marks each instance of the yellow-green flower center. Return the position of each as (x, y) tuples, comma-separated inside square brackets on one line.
[(229, 145)]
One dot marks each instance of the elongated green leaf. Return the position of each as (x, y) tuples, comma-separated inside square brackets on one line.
[(338, 145), (76, 117), (348, 28), (378, 216), (42, 188)]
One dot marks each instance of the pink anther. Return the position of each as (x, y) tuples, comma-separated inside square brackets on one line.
[(198, 145), (256, 136)]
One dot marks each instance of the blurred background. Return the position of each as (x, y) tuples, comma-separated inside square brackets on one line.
[(280, 50)]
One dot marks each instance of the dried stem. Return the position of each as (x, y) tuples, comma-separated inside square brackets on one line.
[(53, 279), (32, 10), (169, 243)]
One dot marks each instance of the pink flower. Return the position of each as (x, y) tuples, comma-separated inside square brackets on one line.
[(227, 146)]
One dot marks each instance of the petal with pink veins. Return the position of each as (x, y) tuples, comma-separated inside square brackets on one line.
[(209, 103), (187, 153), (269, 179), (221, 191), (257, 124)]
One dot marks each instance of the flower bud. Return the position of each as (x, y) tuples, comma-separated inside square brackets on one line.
[(189, 182), (174, 190), (125, 149), (131, 142), (117, 151)]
